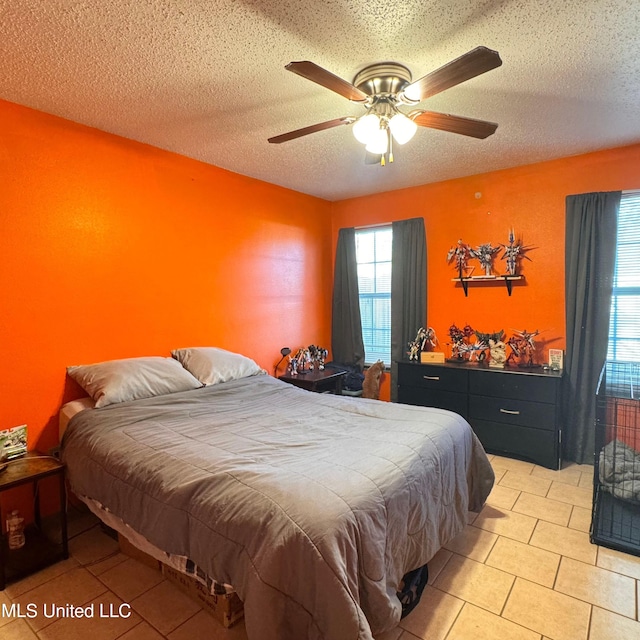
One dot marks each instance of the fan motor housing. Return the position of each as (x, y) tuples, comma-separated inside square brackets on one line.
[(382, 78)]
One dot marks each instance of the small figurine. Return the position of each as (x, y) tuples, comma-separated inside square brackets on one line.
[(460, 254), (497, 353), (460, 347), (513, 252), (522, 347), (484, 253)]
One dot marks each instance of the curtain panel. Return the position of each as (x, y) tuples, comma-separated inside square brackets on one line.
[(590, 249), (408, 289), (347, 345)]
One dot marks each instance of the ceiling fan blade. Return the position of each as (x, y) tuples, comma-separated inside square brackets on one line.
[(471, 64), (455, 124), (324, 78), (321, 126)]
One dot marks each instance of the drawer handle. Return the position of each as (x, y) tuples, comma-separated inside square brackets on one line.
[(511, 413), (431, 377)]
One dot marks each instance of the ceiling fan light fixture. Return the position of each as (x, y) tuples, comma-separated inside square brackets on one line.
[(379, 142), (402, 128), (365, 128)]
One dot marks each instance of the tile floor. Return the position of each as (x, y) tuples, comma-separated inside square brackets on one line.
[(523, 569)]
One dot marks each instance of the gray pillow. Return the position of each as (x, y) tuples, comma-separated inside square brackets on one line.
[(212, 365), (131, 379)]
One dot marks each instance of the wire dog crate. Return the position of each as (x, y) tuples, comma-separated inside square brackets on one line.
[(615, 521)]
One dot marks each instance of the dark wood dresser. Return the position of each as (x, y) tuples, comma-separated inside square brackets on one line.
[(513, 411)]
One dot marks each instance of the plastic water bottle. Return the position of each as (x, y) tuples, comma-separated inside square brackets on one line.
[(15, 530)]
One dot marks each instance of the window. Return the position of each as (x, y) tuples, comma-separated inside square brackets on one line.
[(373, 255), (624, 328)]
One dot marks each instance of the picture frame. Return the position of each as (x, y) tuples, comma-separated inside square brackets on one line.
[(556, 359)]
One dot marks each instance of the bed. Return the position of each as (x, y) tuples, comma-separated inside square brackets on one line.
[(311, 506)]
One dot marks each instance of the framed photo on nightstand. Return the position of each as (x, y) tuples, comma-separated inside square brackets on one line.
[(556, 359)]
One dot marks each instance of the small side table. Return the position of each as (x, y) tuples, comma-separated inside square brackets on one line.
[(39, 550), (316, 380)]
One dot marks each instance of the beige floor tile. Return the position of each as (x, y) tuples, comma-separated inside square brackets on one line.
[(536, 565), (572, 495), (100, 626), (502, 497), (18, 630), (525, 482), (580, 519), (203, 627), (521, 466), (142, 631), (129, 579), (498, 473), (548, 612), (165, 607), (566, 475), (477, 583), (586, 480), (408, 636), (605, 589), (75, 587), (474, 623), (606, 625), (567, 542), (97, 568), (437, 563), (92, 546), (623, 563), (473, 543), (16, 589), (433, 616), (506, 523), (543, 508), (471, 516)]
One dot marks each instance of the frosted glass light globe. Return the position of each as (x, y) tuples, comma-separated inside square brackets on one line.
[(402, 128), (364, 128), (379, 142)]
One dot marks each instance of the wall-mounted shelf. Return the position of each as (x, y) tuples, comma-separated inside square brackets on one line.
[(508, 281)]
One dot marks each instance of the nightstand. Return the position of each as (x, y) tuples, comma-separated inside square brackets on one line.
[(323, 381), (39, 550)]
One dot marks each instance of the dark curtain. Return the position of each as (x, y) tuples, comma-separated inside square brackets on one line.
[(590, 248), (408, 289), (347, 345)]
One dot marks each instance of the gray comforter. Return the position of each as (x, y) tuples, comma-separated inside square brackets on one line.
[(312, 506)]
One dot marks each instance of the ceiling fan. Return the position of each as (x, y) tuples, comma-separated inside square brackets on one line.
[(383, 87)]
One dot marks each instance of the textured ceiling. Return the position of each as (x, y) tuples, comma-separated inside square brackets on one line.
[(206, 79)]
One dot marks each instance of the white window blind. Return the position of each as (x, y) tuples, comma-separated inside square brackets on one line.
[(624, 328), (373, 255)]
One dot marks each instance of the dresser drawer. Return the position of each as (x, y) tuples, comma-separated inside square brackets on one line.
[(519, 386), (450, 400), (434, 377), (509, 411), (532, 444)]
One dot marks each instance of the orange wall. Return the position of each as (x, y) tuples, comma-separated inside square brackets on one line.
[(531, 199), (111, 249)]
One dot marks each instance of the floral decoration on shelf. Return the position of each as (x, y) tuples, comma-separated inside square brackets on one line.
[(307, 359)]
